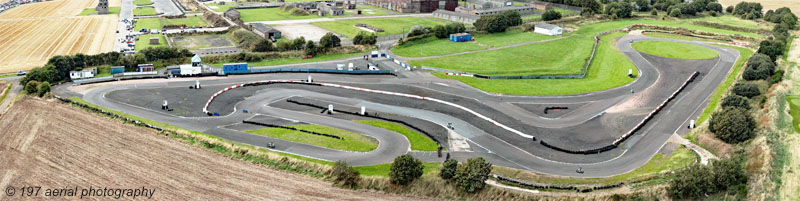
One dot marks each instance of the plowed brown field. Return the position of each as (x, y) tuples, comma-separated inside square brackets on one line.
[(53, 145), (33, 33)]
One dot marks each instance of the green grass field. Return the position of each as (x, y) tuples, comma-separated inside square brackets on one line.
[(433, 46), (142, 2), (383, 170), (144, 11), (352, 141), (221, 8), (716, 97), (675, 50), (563, 12), (418, 141), (660, 163), (390, 25), (158, 23), (270, 14), (794, 110), (273, 62), (144, 41), (90, 11), (680, 37), (608, 70), (735, 21)]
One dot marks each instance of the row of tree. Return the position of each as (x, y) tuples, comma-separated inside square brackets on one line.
[(676, 8), (498, 22), (699, 181), (470, 176), (329, 40), (444, 31)]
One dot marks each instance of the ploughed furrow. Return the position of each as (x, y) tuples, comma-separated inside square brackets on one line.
[(11, 45)]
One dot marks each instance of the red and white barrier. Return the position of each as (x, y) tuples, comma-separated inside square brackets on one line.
[(459, 74)]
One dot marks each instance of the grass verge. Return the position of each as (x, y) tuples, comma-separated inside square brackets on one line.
[(608, 70), (418, 141), (675, 50), (283, 61), (142, 2), (143, 41), (794, 110), (351, 141), (144, 11), (382, 170), (716, 97), (6, 92), (159, 23), (90, 11)]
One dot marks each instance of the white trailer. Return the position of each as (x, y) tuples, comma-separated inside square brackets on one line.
[(189, 70)]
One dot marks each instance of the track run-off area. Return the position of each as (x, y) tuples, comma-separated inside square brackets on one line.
[(497, 127)]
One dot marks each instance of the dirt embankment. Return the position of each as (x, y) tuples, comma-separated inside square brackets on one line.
[(53, 145)]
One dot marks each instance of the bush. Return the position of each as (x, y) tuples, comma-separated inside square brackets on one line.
[(31, 87), (405, 169), (777, 77), (551, 15), (714, 6), (362, 38), (440, 31), (472, 175), (329, 40), (449, 168), (698, 181), (772, 48), (732, 125), (43, 88), (759, 66), (654, 12), (736, 101), (498, 22), (619, 10), (749, 10), (729, 9), (675, 13), (344, 174), (746, 90), (263, 45), (455, 28), (512, 18)]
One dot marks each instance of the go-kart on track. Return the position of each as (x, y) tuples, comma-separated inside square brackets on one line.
[(593, 120)]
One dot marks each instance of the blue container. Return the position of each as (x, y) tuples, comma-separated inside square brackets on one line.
[(115, 70), (244, 111), (234, 67)]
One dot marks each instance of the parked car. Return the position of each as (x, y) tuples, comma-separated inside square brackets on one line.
[(20, 73)]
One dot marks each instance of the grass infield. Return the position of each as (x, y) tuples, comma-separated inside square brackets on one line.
[(418, 141), (352, 141), (158, 23), (142, 2), (382, 170), (675, 50), (144, 11)]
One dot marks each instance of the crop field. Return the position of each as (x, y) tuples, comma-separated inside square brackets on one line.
[(606, 71), (768, 4), (33, 33), (390, 25), (674, 50), (352, 141), (57, 146)]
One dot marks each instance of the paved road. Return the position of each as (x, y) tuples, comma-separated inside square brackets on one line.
[(167, 7), (15, 89), (496, 147)]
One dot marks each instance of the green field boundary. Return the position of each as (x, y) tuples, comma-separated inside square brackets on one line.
[(5, 93), (744, 54), (788, 48)]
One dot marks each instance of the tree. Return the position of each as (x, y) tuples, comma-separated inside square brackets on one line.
[(44, 87), (405, 169), (283, 46), (311, 48), (759, 66), (330, 40), (746, 90), (772, 48), (512, 18), (440, 31), (472, 175), (714, 6), (654, 12), (551, 15), (734, 100), (732, 125), (729, 10), (455, 28), (619, 10), (675, 13), (344, 174), (357, 39), (298, 43), (31, 87), (449, 168), (263, 45), (698, 181)]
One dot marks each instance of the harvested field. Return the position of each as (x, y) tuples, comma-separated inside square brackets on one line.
[(768, 4), (56, 146), (35, 32)]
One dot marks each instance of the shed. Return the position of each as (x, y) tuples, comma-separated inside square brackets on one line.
[(547, 29), (145, 68), (542, 5), (266, 31), (232, 14), (154, 41), (197, 61), (460, 37), (117, 69)]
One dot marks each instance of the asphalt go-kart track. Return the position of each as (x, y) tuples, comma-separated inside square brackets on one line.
[(605, 133)]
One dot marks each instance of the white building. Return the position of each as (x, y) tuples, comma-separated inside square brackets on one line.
[(81, 74), (547, 29)]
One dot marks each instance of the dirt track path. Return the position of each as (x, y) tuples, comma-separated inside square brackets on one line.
[(56, 146)]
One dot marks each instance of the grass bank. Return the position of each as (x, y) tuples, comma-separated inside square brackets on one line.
[(418, 141), (144, 11), (159, 23), (283, 61), (143, 41), (383, 170), (5, 91), (716, 97), (351, 141), (608, 70), (433, 46), (675, 50)]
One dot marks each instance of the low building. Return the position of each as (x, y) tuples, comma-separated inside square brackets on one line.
[(460, 37), (232, 14), (350, 5), (154, 41), (541, 5), (82, 74), (455, 16), (145, 68), (414, 6), (547, 29), (329, 9), (522, 10), (117, 69), (266, 31), (197, 61)]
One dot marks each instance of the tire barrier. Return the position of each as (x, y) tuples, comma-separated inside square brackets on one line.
[(255, 83), (547, 109), (311, 70), (369, 115), (627, 135), (555, 187), (293, 128)]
